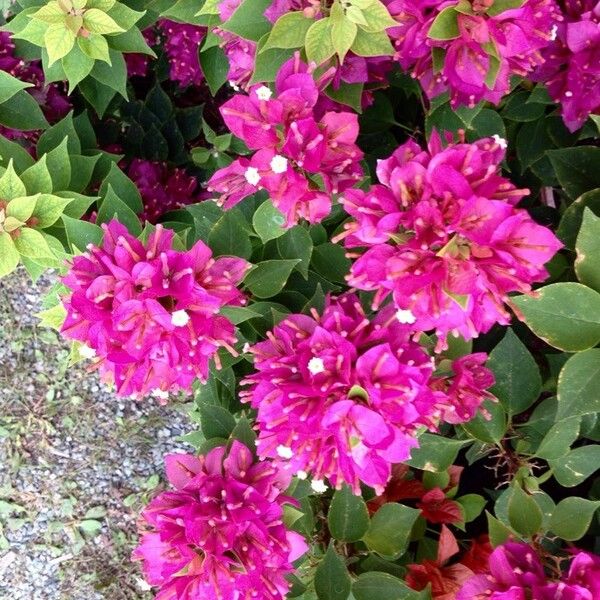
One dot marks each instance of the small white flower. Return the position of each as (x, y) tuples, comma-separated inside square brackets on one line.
[(553, 33), (279, 164), (252, 176), (500, 141), (284, 452), (180, 318), (301, 474), (318, 486), (264, 93), (568, 94), (235, 87), (405, 316), (316, 365), (160, 394), (86, 351)]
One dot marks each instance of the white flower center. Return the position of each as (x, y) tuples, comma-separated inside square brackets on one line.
[(284, 452), (553, 32), (160, 394), (405, 316), (86, 351), (318, 486), (180, 318), (279, 164), (252, 176), (264, 93), (234, 86), (500, 141), (301, 474), (316, 365)]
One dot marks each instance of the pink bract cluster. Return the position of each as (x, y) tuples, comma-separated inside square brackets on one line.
[(149, 313), (443, 237), (516, 572), (51, 99), (181, 45), (162, 189), (341, 397), (220, 534), (294, 144), (571, 69), (474, 62)]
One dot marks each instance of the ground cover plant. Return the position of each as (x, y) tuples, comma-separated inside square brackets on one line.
[(357, 243)]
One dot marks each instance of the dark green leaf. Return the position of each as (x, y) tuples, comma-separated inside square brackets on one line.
[(579, 385), (332, 581), (348, 517), (269, 277), (577, 169), (216, 421), (390, 529)]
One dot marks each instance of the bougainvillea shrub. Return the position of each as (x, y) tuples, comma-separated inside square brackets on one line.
[(358, 240)]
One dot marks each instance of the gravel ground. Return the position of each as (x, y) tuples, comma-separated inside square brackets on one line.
[(76, 464)]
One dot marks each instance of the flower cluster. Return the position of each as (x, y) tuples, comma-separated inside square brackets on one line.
[(181, 47), (162, 189), (479, 50), (341, 397), (444, 238), (515, 571), (220, 534), (50, 97), (571, 69), (293, 146), (148, 313)]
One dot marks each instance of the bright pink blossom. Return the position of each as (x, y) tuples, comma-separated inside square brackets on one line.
[(293, 145), (149, 313), (571, 70), (181, 45), (162, 189), (341, 397), (220, 534), (444, 238), (476, 63)]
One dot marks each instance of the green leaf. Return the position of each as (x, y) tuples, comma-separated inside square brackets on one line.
[(21, 208), (238, 314), (349, 94), (576, 466), (59, 166), (348, 517), (228, 236), (95, 47), (445, 25), (96, 21), (244, 433), (124, 16), (488, 429), (248, 20), (268, 222), (576, 168), (435, 453), (318, 43), (565, 315), (332, 581), (11, 185), (50, 13), (10, 85), (215, 67), (216, 422), (572, 517), (82, 233), (58, 41), (53, 136), (570, 223), (37, 178), (472, 506), (9, 256), (382, 586), (518, 380), (579, 385), (296, 243), (123, 187), (558, 440), (268, 63), (587, 265), (113, 75), (82, 169), (77, 66), (269, 277), (524, 514), (499, 6), (343, 32), (329, 260), (113, 207), (390, 529), (22, 112), (53, 317), (372, 44), (130, 41), (48, 209), (33, 32), (377, 18), (11, 150), (32, 244), (289, 31), (498, 531)]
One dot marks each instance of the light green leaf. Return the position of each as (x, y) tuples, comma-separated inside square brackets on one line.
[(289, 31), (268, 222), (343, 33), (95, 47), (318, 43), (58, 41), (372, 44), (48, 209), (377, 18), (565, 315), (50, 13), (53, 317), (33, 33), (9, 256), (472, 506), (59, 166), (96, 21), (587, 265), (21, 208), (33, 244), (11, 185)]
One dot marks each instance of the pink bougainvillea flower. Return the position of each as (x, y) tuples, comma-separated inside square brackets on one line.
[(293, 146), (181, 46), (147, 313), (162, 189), (477, 60), (443, 237), (571, 70), (220, 534), (341, 397)]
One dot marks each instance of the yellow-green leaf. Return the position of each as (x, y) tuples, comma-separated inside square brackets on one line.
[(318, 43), (95, 21), (9, 256), (11, 186), (58, 40), (372, 44)]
